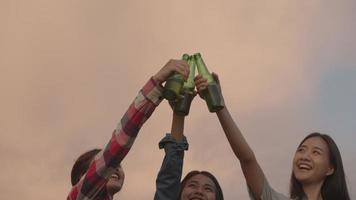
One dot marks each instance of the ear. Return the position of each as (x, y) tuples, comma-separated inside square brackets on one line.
[(330, 171)]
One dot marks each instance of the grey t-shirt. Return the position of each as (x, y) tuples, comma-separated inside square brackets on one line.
[(268, 193)]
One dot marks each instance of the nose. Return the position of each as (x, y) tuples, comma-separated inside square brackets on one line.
[(306, 156), (199, 191)]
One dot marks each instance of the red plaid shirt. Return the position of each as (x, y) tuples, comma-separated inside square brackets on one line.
[(92, 185)]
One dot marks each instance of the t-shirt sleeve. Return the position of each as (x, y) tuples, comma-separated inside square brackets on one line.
[(268, 193)]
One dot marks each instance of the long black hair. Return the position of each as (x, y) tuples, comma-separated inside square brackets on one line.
[(218, 195), (334, 186)]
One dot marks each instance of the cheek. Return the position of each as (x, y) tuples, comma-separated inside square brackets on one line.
[(211, 196), (122, 174), (295, 159), (185, 192), (323, 163)]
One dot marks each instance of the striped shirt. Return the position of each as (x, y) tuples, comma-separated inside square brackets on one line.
[(92, 185)]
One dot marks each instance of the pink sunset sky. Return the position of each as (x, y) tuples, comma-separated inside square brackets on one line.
[(69, 69)]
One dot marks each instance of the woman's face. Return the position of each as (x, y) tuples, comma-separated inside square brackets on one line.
[(115, 182), (199, 187), (311, 162)]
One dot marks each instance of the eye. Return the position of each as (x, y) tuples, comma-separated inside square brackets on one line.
[(192, 185), (208, 189), (316, 152), (301, 149)]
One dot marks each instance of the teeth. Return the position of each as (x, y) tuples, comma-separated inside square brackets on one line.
[(114, 176), (304, 166)]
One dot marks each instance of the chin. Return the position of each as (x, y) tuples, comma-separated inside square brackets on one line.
[(302, 177), (113, 187)]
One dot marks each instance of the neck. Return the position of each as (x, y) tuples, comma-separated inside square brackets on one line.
[(313, 191)]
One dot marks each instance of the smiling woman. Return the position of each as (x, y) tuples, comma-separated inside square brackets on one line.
[(318, 161), (318, 172), (97, 174), (195, 183), (81, 165)]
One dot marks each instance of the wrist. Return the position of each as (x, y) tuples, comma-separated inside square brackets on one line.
[(178, 117), (157, 79), (222, 111)]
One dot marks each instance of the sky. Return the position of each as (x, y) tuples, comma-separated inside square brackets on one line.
[(69, 70)]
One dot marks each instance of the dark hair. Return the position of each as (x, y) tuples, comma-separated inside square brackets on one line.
[(334, 186), (219, 194), (81, 165)]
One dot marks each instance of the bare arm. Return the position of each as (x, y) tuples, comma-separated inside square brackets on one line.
[(249, 165), (177, 127), (252, 171)]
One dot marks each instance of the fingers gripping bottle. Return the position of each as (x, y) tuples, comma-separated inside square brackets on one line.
[(174, 84), (212, 94), (182, 106)]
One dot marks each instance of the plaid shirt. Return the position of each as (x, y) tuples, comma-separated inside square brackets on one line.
[(92, 185)]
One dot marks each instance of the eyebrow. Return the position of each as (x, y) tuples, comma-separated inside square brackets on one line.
[(315, 147), (193, 181), (318, 148), (209, 185), (303, 146), (206, 184)]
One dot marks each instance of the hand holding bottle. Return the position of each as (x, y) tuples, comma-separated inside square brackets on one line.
[(210, 91), (202, 85), (179, 66)]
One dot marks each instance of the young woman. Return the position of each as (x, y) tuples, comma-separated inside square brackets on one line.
[(97, 174), (196, 184), (317, 174)]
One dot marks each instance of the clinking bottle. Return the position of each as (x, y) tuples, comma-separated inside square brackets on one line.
[(174, 84), (183, 103), (212, 93)]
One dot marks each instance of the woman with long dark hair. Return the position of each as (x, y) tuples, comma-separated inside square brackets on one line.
[(317, 174)]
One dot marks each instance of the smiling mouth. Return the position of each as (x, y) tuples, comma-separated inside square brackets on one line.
[(304, 166), (115, 176), (196, 198)]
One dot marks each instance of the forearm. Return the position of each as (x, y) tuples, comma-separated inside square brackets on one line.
[(177, 129), (168, 179), (253, 173), (237, 142)]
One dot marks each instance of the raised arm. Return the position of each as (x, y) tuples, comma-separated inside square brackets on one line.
[(125, 134), (170, 174), (253, 173)]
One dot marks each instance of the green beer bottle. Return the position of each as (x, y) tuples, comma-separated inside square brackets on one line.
[(174, 84), (212, 93), (182, 106)]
